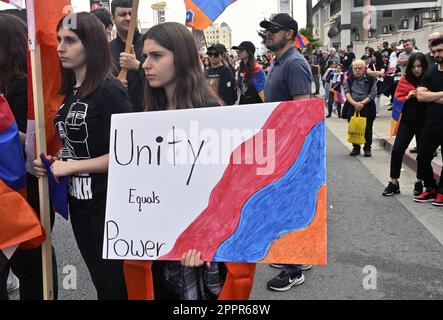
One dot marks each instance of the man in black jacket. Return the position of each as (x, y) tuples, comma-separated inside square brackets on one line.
[(121, 15)]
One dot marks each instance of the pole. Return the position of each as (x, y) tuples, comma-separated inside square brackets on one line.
[(124, 72), (37, 83)]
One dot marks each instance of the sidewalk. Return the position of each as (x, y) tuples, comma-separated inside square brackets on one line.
[(381, 137)]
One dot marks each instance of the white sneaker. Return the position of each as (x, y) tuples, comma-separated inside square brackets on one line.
[(12, 283)]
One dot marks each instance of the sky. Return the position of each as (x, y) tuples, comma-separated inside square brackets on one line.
[(243, 16)]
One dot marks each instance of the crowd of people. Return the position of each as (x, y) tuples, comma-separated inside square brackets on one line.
[(166, 72), (410, 78)]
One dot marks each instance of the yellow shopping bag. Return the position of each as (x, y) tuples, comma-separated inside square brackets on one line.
[(356, 129)]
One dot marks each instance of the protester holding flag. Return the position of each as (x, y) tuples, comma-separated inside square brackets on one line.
[(26, 264), (92, 95), (251, 77), (175, 80), (408, 118), (335, 82)]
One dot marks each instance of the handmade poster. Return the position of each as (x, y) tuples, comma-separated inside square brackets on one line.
[(239, 184)]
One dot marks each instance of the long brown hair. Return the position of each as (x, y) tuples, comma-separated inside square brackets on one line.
[(99, 64), (192, 90), (13, 50)]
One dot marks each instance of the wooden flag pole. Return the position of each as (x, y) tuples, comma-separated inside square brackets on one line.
[(130, 38), (45, 218)]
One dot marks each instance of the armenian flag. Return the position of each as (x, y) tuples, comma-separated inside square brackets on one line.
[(301, 41), (200, 14), (401, 93)]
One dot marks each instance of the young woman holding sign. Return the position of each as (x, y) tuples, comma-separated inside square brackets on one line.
[(175, 80), (83, 123)]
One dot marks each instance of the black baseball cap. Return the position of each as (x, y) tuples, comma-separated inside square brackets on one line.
[(246, 45), (220, 48), (281, 20)]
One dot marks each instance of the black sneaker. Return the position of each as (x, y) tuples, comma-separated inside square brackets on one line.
[(418, 188), (391, 189), (285, 281), (355, 152), (367, 153)]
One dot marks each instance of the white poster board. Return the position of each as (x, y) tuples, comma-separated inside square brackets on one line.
[(173, 177)]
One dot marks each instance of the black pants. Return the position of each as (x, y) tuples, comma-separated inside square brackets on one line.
[(27, 264), (331, 104), (107, 275), (404, 137), (431, 139)]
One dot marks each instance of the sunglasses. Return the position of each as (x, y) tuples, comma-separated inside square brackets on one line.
[(213, 54), (274, 29)]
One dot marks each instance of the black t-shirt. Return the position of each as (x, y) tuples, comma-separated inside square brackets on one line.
[(222, 81), (347, 60), (83, 126), (433, 81)]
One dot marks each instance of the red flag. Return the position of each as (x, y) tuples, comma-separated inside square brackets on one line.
[(43, 17)]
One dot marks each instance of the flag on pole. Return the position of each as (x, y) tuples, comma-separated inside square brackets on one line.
[(401, 93), (301, 41), (15, 3), (200, 14)]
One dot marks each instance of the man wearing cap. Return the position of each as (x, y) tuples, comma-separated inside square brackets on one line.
[(251, 77), (220, 77), (288, 79)]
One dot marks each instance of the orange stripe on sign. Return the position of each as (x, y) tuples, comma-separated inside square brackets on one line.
[(201, 20), (309, 246)]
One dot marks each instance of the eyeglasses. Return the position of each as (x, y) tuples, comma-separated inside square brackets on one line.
[(274, 29), (213, 54)]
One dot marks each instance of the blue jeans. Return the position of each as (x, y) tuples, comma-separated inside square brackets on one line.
[(292, 268)]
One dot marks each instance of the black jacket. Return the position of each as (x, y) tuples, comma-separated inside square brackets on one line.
[(135, 78)]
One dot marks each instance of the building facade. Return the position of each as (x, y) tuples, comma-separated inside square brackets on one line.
[(339, 23), (219, 34)]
